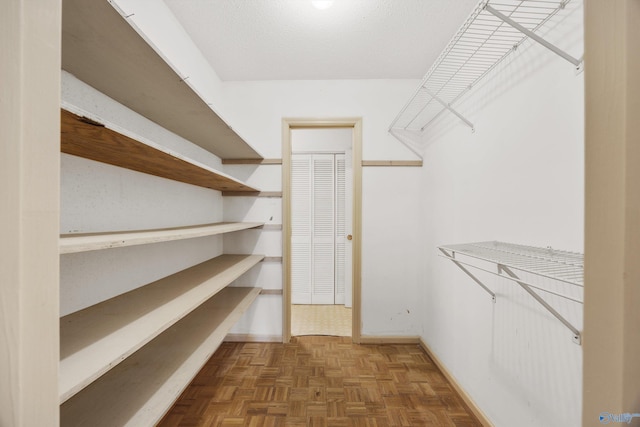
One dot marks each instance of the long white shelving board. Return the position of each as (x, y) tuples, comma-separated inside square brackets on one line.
[(94, 340), (72, 243), (100, 48), (140, 390)]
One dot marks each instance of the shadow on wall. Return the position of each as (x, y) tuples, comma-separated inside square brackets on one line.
[(87, 278), (531, 350), (253, 209), (242, 173), (517, 68)]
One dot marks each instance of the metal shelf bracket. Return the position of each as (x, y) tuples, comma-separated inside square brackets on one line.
[(448, 107), (452, 257), (576, 62), (576, 333)]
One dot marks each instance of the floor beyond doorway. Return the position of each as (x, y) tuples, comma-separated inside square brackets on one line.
[(334, 320)]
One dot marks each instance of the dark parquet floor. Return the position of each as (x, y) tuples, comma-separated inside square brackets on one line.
[(319, 381)]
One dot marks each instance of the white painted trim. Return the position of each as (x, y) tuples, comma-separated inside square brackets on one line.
[(30, 54), (611, 347), (287, 125)]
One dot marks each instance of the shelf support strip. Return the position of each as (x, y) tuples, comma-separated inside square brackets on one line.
[(533, 36), (576, 332), (475, 279)]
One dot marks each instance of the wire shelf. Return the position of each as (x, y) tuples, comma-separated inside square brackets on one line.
[(492, 31), (562, 266), (567, 267)]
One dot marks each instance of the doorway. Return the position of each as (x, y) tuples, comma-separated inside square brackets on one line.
[(321, 265)]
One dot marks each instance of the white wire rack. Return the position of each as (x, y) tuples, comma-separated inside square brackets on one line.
[(492, 31), (561, 266)]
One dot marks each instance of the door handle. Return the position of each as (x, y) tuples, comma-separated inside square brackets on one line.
[(349, 237)]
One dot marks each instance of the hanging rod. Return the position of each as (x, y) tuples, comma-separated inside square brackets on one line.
[(562, 266), (492, 31)]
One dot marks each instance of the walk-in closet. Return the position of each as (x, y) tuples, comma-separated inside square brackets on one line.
[(319, 213)]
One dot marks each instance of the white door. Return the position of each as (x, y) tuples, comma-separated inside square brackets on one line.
[(301, 226), (323, 232), (340, 229), (318, 229)]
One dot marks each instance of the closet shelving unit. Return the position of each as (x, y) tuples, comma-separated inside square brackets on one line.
[(83, 242), (124, 361), (100, 48), (559, 266), (492, 31), (141, 389), (84, 137), (97, 338)]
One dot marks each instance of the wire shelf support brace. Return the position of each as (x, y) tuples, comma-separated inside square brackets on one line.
[(492, 31), (561, 266)]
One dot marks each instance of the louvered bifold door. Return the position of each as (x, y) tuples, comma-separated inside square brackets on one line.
[(340, 229), (323, 239), (301, 226)]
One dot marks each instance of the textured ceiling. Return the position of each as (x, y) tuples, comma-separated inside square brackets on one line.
[(291, 40)]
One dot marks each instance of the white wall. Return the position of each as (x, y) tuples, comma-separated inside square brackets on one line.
[(519, 179), (255, 110), (155, 22), (327, 140), (391, 246), (97, 197)]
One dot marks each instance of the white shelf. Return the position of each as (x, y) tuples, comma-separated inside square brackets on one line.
[(72, 243), (100, 48), (566, 268), (139, 391), (558, 265), (94, 340), (492, 31)]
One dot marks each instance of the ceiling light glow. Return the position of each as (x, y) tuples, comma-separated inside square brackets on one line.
[(322, 4)]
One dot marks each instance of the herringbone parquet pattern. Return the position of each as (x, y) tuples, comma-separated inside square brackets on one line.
[(319, 381)]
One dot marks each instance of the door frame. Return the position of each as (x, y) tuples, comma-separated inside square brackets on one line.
[(356, 282)]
